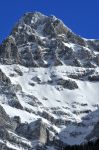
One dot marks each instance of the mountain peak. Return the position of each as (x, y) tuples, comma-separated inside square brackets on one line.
[(31, 17), (40, 40), (36, 20), (49, 82)]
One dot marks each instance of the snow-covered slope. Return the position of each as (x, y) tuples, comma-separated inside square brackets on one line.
[(49, 84)]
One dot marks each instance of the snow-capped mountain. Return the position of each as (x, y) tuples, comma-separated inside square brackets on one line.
[(49, 80)]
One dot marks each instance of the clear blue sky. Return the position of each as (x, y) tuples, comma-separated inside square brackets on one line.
[(82, 16)]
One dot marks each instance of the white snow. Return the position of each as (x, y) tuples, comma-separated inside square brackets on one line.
[(53, 96)]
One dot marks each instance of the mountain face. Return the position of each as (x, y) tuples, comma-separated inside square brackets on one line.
[(49, 80)]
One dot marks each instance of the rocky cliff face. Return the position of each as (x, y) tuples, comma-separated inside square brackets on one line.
[(49, 80), (39, 41)]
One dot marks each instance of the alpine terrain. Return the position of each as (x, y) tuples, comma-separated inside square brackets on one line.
[(49, 86)]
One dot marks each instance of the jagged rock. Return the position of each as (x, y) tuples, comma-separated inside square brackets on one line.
[(93, 44), (17, 87), (89, 65), (94, 134), (94, 77), (84, 53), (83, 75), (36, 79), (75, 39), (35, 131), (16, 122), (47, 116), (9, 51), (4, 119), (96, 59), (15, 103), (77, 62), (18, 71), (69, 84), (54, 27), (4, 78), (32, 84), (25, 47), (68, 53), (57, 62), (5, 125)]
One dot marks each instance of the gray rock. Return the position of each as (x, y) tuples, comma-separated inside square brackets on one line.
[(18, 71), (4, 119), (69, 84), (4, 78), (34, 131), (94, 134), (9, 51), (94, 77), (25, 47)]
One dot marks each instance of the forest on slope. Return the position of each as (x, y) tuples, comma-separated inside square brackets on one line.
[(88, 146)]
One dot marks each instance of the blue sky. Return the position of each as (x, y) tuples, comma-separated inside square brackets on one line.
[(82, 16)]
